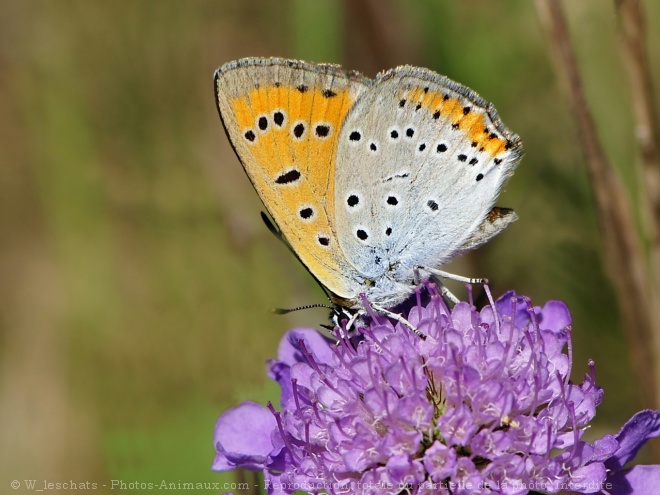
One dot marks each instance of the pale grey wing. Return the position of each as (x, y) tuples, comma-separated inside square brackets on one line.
[(283, 118), (495, 222), (426, 159)]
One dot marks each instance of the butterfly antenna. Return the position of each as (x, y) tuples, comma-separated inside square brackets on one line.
[(284, 311)]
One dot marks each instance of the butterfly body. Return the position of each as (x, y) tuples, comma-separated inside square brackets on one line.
[(367, 180)]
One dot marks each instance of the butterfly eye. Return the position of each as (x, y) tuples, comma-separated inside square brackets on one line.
[(433, 206)]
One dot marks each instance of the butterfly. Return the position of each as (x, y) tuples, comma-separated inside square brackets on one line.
[(373, 183)]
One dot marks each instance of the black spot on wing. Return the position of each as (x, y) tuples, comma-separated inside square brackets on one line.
[(299, 130), (355, 136), (322, 130), (288, 177), (306, 213)]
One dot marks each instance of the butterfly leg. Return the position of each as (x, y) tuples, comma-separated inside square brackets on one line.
[(399, 318), (452, 276), (444, 291), (338, 315), (349, 326)]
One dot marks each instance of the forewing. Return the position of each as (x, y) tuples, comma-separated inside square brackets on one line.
[(283, 118)]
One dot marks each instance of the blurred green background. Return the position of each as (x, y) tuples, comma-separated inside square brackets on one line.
[(135, 272)]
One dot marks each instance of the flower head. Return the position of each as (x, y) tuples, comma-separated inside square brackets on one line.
[(482, 403)]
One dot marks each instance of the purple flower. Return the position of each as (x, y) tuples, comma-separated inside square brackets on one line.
[(481, 404)]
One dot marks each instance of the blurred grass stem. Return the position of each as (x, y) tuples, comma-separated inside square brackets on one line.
[(624, 254), (632, 32)]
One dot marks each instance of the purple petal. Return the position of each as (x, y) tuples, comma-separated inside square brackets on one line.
[(440, 461), (242, 437), (633, 435), (274, 484), (402, 469), (588, 479), (503, 304), (604, 448), (281, 373), (493, 384), (636, 480), (554, 316), (289, 349)]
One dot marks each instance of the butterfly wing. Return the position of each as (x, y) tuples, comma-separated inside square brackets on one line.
[(283, 118), (421, 161)]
